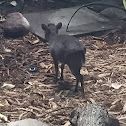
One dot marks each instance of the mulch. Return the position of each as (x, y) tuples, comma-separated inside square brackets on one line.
[(36, 95)]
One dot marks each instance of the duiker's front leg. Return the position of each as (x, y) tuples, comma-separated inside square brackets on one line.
[(56, 69), (82, 85), (62, 68)]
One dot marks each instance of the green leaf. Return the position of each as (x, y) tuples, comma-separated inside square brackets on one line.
[(124, 3)]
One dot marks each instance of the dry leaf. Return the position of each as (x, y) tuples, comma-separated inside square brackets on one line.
[(92, 101), (122, 118), (124, 108), (7, 86), (67, 124), (116, 101), (99, 44), (14, 3), (116, 85), (3, 117), (4, 105), (100, 81), (103, 75), (84, 72), (51, 99), (53, 105), (2, 57), (1, 105), (87, 82), (43, 65), (116, 105), (35, 41), (113, 108), (30, 83), (114, 113), (7, 50)]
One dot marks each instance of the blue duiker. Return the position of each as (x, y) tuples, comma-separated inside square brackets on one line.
[(65, 49)]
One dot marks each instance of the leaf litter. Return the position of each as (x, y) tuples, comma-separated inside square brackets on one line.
[(35, 95)]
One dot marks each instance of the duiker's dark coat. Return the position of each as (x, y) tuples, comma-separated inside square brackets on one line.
[(67, 50), (63, 46)]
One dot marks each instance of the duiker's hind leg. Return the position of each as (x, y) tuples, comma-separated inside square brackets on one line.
[(79, 78), (56, 69), (82, 84), (74, 62), (62, 68)]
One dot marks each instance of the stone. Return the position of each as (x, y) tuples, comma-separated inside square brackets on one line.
[(92, 115), (16, 25), (113, 13), (27, 122)]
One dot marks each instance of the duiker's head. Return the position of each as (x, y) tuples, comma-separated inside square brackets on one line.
[(51, 29)]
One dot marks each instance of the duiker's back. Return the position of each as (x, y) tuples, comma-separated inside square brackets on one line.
[(64, 45)]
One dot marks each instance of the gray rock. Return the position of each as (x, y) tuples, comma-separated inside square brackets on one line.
[(27, 122), (3, 124), (16, 25), (92, 115), (113, 13)]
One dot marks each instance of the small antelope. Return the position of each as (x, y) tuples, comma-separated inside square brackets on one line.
[(65, 49)]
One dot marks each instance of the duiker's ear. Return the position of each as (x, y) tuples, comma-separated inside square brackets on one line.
[(59, 25), (44, 27)]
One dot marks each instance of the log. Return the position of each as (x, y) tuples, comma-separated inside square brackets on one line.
[(92, 115)]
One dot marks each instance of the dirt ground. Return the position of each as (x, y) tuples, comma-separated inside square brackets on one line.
[(36, 95)]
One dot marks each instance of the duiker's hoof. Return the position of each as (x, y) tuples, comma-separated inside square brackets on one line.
[(76, 90), (83, 96), (55, 81), (61, 78)]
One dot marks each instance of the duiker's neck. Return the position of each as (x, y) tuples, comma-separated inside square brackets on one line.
[(52, 36)]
